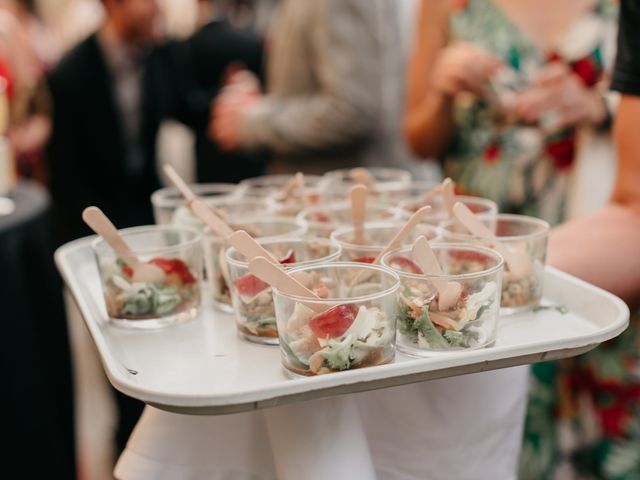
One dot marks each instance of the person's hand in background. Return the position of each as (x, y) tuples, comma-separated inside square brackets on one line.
[(557, 99), (463, 67), (242, 90)]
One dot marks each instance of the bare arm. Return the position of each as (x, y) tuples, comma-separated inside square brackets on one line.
[(428, 123), (604, 248)]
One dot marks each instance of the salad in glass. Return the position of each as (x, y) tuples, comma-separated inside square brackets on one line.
[(321, 220), (518, 233), (351, 326), (252, 299), (485, 209), (427, 326), (130, 303), (167, 200), (390, 184)]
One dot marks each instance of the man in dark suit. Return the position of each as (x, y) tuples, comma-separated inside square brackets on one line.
[(108, 102), (202, 64), (108, 99)]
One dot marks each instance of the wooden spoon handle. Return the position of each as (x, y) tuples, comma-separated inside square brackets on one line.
[(473, 223), (361, 175), (396, 241), (358, 195), (278, 278), (423, 255), (179, 183), (449, 195), (215, 223), (247, 246), (99, 223)]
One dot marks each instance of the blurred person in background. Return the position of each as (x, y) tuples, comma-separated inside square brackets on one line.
[(498, 91), (28, 49), (334, 90), (202, 63), (107, 103)]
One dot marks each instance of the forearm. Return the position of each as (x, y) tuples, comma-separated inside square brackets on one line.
[(429, 126), (603, 249)]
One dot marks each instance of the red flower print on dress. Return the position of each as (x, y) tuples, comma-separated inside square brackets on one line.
[(562, 153), (587, 70), (459, 5), (492, 153)]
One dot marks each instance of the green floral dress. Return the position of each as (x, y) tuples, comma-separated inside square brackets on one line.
[(583, 418), (524, 168)]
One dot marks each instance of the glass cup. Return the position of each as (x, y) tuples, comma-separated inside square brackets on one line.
[(178, 252), (351, 326), (485, 209), (389, 184), (471, 322), (322, 220), (261, 228), (377, 236), (167, 200), (268, 185), (523, 235), (252, 299)]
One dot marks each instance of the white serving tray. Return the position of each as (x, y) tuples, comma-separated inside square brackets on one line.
[(203, 367)]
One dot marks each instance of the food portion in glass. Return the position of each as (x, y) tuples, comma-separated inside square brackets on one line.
[(377, 236), (386, 185), (177, 251), (259, 227), (485, 209), (269, 186), (424, 328), (321, 220), (252, 299), (354, 326), (167, 200), (521, 235)]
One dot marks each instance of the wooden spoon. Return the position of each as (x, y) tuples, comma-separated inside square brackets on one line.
[(142, 272), (362, 175), (448, 195), (358, 195), (199, 207), (518, 261), (277, 277), (396, 241), (448, 291), (249, 247)]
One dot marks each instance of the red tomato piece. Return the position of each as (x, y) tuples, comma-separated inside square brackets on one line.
[(404, 264), (290, 257), (250, 286), (365, 259), (333, 322), (175, 265)]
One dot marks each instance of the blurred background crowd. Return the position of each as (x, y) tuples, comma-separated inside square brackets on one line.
[(508, 98)]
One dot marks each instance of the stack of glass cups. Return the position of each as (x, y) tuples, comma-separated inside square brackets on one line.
[(425, 324), (252, 299), (526, 238), (352, 325), (138, 303), (376, 236)]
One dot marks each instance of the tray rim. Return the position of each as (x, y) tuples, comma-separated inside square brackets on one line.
[(384, 376)]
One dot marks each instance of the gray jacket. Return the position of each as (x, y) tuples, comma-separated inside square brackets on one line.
[(335, 78)]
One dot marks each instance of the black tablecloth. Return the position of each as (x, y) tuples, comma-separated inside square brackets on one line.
[(35, 366)]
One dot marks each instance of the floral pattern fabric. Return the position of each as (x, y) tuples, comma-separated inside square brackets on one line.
[(524, 168)]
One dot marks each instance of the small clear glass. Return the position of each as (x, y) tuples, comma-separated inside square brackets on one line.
[(167, 200), (178, 252), (485, 209), (261, 228), (252, 299), (268, 185), (322, 220), (391, 184), (351, 326), (377, 236), (519, 233), (424, 328)]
